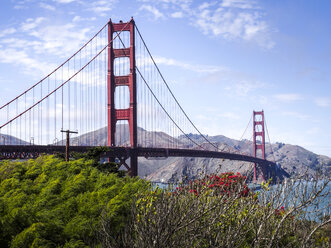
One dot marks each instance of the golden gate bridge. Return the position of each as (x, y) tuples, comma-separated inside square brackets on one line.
[(113, 93)]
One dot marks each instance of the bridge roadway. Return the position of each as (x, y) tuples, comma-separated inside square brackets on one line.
[(33, 151)]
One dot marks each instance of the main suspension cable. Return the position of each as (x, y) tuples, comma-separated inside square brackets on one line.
[(61, 85), (171, 91), (272, 151), (33, 86)]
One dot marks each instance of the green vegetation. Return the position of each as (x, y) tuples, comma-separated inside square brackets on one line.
[(220, 211), (48, 202)]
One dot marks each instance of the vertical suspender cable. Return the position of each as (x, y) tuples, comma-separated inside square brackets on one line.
[(47, 123), (41, 115), (16, 115), (25, 124), (68, 101), (55, 108), (33, 136), (62, 140)]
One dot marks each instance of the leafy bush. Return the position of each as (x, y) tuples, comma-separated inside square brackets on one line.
[(220, 211), (48, 202)]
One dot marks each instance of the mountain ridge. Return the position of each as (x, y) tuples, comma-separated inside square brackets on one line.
[(293, 159)]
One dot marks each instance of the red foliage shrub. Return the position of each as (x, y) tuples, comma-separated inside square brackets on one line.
[(223, 184)]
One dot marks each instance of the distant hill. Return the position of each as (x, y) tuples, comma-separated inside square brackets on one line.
[(11, 140), (295, 160)]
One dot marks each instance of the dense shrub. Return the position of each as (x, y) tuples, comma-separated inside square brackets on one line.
[(220, 211), (48, 202)]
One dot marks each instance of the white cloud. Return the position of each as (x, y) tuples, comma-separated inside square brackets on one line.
[(241, 4), (323, 101), (31, 23), (156, 13), (177, 14), (28, 64), (20, 6), (21, 44), (102, 6), (36, 42), (47, 6), (188, 66), (296, 115), (204, 117), (229, 115), (234, 25), (7, 31), (205, 5), (243, 86), (288, 97), (64, 1), (61, 40), (229, 19), (79, 19)]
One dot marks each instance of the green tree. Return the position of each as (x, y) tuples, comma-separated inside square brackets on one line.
[(48, 202)]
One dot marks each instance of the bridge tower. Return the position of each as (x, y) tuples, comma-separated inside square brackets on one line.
[(258, 140), (129, 114)]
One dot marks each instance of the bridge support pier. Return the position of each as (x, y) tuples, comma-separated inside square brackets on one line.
[(133, 171), (122, 154)]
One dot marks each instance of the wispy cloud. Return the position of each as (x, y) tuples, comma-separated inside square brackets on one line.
[(20, 5), (296, 115), (101, 7), (80, 19), (229, 19), (153, 10), (229, 115), (60, 40), (27, 63), (31, 23), (244, 86), (231, 23), (38, 38), (7, 31), (188, 66), (242, 4), (64, 1), (47, 6), (323, 101), (177, 14), (288, 97)]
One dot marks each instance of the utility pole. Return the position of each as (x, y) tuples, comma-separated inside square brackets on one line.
[(68, 132)]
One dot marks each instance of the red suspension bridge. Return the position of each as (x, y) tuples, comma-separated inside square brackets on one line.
[(113, 93)]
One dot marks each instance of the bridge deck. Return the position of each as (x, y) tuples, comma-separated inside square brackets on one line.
[(33, 151)]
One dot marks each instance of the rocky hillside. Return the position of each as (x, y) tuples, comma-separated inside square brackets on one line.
[(293, 159)]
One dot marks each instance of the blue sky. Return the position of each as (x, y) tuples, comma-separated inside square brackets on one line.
[(222, 59)]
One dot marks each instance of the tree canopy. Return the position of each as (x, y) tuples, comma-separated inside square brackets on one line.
[(48, 202)]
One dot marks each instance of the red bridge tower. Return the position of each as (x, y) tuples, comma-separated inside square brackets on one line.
[(129, 114), (258, 139)]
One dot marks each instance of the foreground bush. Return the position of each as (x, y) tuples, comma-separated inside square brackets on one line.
[(220, 211), (48, 202)]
